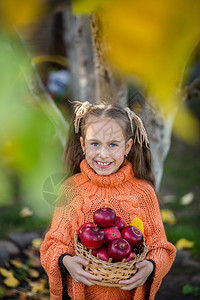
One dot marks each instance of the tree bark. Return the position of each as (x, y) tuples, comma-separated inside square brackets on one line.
[(80, 54), (109, 86)]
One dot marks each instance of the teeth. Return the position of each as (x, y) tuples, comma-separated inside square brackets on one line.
[(103, 164)]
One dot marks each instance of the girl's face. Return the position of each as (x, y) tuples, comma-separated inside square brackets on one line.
[(105, 146)]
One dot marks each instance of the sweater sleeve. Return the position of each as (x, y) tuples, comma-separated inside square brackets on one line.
[(58, 240), (160, 251)]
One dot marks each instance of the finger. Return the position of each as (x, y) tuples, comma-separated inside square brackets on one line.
[(133, 279), (132, 286), (129, 287), (127, 282), (86, 281), (139, 265), (90, 276), (82, 261)]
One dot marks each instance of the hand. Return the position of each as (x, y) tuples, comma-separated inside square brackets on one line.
[(74, 265), (144, 270)]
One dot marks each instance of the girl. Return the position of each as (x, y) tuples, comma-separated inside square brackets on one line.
[(108, 155)]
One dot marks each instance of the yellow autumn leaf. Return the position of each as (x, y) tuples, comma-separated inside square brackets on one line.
[(5, 272), (184, 243), (29, 12), (11, 281), (137, 222), (37, 242), (152, 41), (38, 286), (168, 216), (144, 41), (34, 273), (17, 263)]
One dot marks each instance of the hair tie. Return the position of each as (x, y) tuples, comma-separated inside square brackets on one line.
[(140, 131), (80, 109)]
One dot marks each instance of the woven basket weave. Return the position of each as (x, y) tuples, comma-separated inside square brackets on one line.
[(111, 273)]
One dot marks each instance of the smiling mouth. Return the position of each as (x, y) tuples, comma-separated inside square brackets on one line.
[(101, 164)]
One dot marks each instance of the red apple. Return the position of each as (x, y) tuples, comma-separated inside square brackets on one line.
[(102, 252), (132, 256), (119, 249), (85, 225), (92, 237), (119, 223), (111, 233), (104, 217), (133, 235)]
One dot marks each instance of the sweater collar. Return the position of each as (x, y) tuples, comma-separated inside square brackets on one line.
[(122, 175)]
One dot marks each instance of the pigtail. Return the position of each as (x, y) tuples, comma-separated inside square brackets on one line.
[(140, 155), (80, 110), (73, 154), (140, 131), (140, 158)]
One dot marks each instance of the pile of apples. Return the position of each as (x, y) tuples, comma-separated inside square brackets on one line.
[(108, 237)]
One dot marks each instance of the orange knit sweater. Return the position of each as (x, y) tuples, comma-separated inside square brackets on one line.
[(81, 195)]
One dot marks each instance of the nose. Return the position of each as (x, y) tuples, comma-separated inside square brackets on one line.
[(103, 153)]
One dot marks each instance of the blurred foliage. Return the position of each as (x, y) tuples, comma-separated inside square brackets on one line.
[(90, 6), (29, 148), (152, 42), (188, 289), (13, 13), (23, 277)]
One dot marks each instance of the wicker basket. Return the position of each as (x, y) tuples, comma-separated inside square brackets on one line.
[(111, 273)]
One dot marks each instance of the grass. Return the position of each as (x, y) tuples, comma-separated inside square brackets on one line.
[(182, 168), (11, 222), (181, 176)]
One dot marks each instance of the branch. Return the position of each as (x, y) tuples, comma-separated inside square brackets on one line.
[(39, 91)]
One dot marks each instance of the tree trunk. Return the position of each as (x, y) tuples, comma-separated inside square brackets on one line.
[(92, 78), (80, 54), (109, 86)]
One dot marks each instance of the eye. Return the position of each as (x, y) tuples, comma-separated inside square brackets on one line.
[(113, 145), (94, 144)]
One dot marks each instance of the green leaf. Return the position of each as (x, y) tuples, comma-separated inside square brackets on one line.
[(20, 273), (1, 292), (190, 290)]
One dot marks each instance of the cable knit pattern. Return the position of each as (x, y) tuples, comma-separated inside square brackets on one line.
[(81, 195)]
